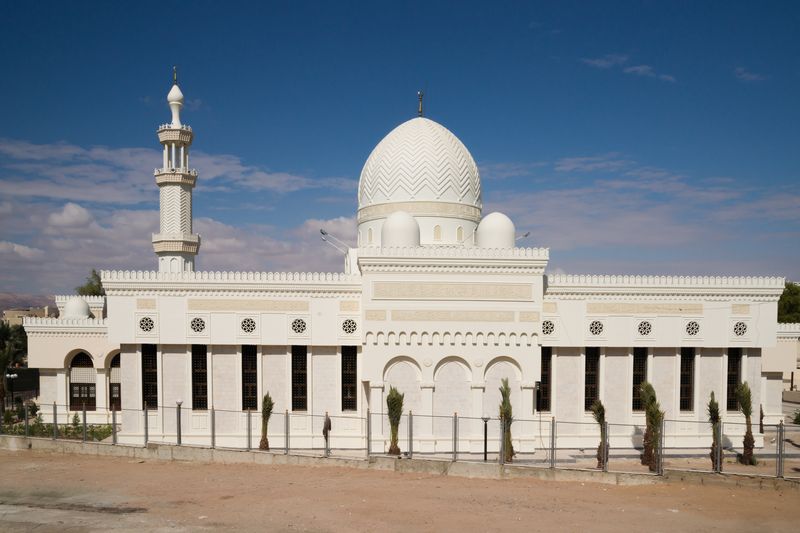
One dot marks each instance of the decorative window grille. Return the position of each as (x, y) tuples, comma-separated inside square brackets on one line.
[(739, 329), (548, 327), (591, 378), (596, 327), (249, 378), (199, 377), (645, 328), (146, 324), (692, 328), (299, 326), (299, 378), (734, 372), (544, 383), (349, 326), (114, 386), (248, 325), (149, 376), (639, 377), (687, 379), (83, 383), (197, 324), (349, 378)]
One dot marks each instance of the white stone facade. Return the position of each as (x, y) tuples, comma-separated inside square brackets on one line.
[(443, 321)]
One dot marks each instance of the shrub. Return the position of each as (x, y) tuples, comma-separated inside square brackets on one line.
[(714, 419), (652, 433), (506, 418), (599, 414), (796, 417), (394, 404), (745, 400), (266, 412)]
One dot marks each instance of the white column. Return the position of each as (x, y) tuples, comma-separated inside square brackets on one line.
[(166, 156), (182, 155), (173, 156)]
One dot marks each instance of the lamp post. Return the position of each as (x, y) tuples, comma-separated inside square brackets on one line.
[(485, 436), (178, 411), (10, 378)]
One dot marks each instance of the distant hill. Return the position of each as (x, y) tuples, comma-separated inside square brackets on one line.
[(10, 300)]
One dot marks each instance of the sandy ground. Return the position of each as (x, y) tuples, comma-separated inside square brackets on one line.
[(51, 492)]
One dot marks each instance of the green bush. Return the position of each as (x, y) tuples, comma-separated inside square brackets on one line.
[(796, 417), (394, 404)]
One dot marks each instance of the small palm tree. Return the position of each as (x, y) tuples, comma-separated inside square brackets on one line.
[(599, 414), (745, 399), (653, 418), (266, 411), (714, 420), (506, 418), (394, 404)]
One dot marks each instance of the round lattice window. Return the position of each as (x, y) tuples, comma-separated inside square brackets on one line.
[(692, 328), (548, 327), (740, 328), (197, 324), (298, 325), (596, 327), (248, 325), (146, 324), (645, 328), (349, 326)]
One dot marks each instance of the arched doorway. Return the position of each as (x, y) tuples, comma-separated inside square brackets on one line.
[(114, 385), (82, 383)]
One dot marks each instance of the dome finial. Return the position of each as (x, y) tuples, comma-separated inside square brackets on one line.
[(420, 94), (174, 75)]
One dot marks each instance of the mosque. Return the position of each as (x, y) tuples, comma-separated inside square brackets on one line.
[(436, 300)]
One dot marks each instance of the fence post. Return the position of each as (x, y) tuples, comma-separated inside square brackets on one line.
[(213, 429), (779, 459), (27, 427), (720, 445), (501, 460), (455, 437), (369, 433), (605, 446), (286, 432), (249, 430), (553, 442), (113, 426), (83, 409), (55, 421), (410, 435), (144, 410), (178, 417)]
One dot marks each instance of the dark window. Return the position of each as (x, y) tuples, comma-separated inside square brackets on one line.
[(687, 379), (249, 378), (591, 378), (149, 376), (639, 376), (734, 369), (544, 383), (199, 377), (349, 378), (83, 388), (299, 375), (114, 387)]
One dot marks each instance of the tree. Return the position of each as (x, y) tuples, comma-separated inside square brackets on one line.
[(394, 404), (714, 420), (599, 414), (653, 418), (506, 418), (745, 399), (789, 303), (92, 287), (13, 347), (266, 411)]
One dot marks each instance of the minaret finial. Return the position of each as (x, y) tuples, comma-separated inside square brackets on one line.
[(420, 94), (174, 75)]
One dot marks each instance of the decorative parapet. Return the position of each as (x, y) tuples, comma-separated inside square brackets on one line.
[(97, 304), (65, 326), (179, 176), (185, 243), (788, 330), (453, 259), (455, 252)]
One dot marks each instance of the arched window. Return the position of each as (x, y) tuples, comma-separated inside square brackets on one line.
[(115, 385), (82, 383), (460, 234), (437, 233), (369, 236)]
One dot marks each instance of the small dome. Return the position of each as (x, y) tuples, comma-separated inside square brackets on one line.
[(175, 95), (76, 307), (400, 229), (496, 231)]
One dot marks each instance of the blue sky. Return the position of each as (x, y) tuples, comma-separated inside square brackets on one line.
[(639, 137)]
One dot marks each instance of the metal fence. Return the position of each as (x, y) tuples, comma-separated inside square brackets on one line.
[(542, 442)]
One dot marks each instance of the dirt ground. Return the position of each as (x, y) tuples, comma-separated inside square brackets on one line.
[(52, 492)]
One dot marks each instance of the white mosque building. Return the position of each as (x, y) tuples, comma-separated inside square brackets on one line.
[(437, 300)]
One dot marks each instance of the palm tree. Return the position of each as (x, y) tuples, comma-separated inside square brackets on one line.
[(714, 420), (394, 404), (653, 418), (506, 418), (13, 346), (745, 399), (266, 411), (599, 414)]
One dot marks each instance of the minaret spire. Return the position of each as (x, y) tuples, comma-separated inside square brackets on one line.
[(420, 94), (175, 244)]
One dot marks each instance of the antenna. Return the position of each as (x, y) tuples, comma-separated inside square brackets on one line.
[(420, 95), (325, 236), (523, 236)]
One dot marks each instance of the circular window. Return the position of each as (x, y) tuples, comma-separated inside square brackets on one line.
[(548, 327), (248, 325), (146, 324), (692, 328), (298, 325), (645, 328), (596, 327), (740, 328), (197, 324), (349, 326)]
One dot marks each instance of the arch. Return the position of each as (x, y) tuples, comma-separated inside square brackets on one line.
[(109, 358), (451, 394), (507, 359), (369, 236), (437, 233), (498, 369), (82, 382), (72, 353), (460, 234), (454, 359), (114, 382)]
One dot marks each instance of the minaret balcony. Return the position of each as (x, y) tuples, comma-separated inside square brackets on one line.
[(176, 176), (182, 243), (167, 133)]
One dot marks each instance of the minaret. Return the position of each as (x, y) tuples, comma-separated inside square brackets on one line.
[(175, 244)]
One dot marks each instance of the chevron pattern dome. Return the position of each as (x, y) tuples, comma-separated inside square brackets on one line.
[(420, 160)]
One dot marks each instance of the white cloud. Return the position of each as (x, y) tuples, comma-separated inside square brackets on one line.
[(25, 252), (72, 215), (605, 162), (607, 61), (648, 72), (743, 74)]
